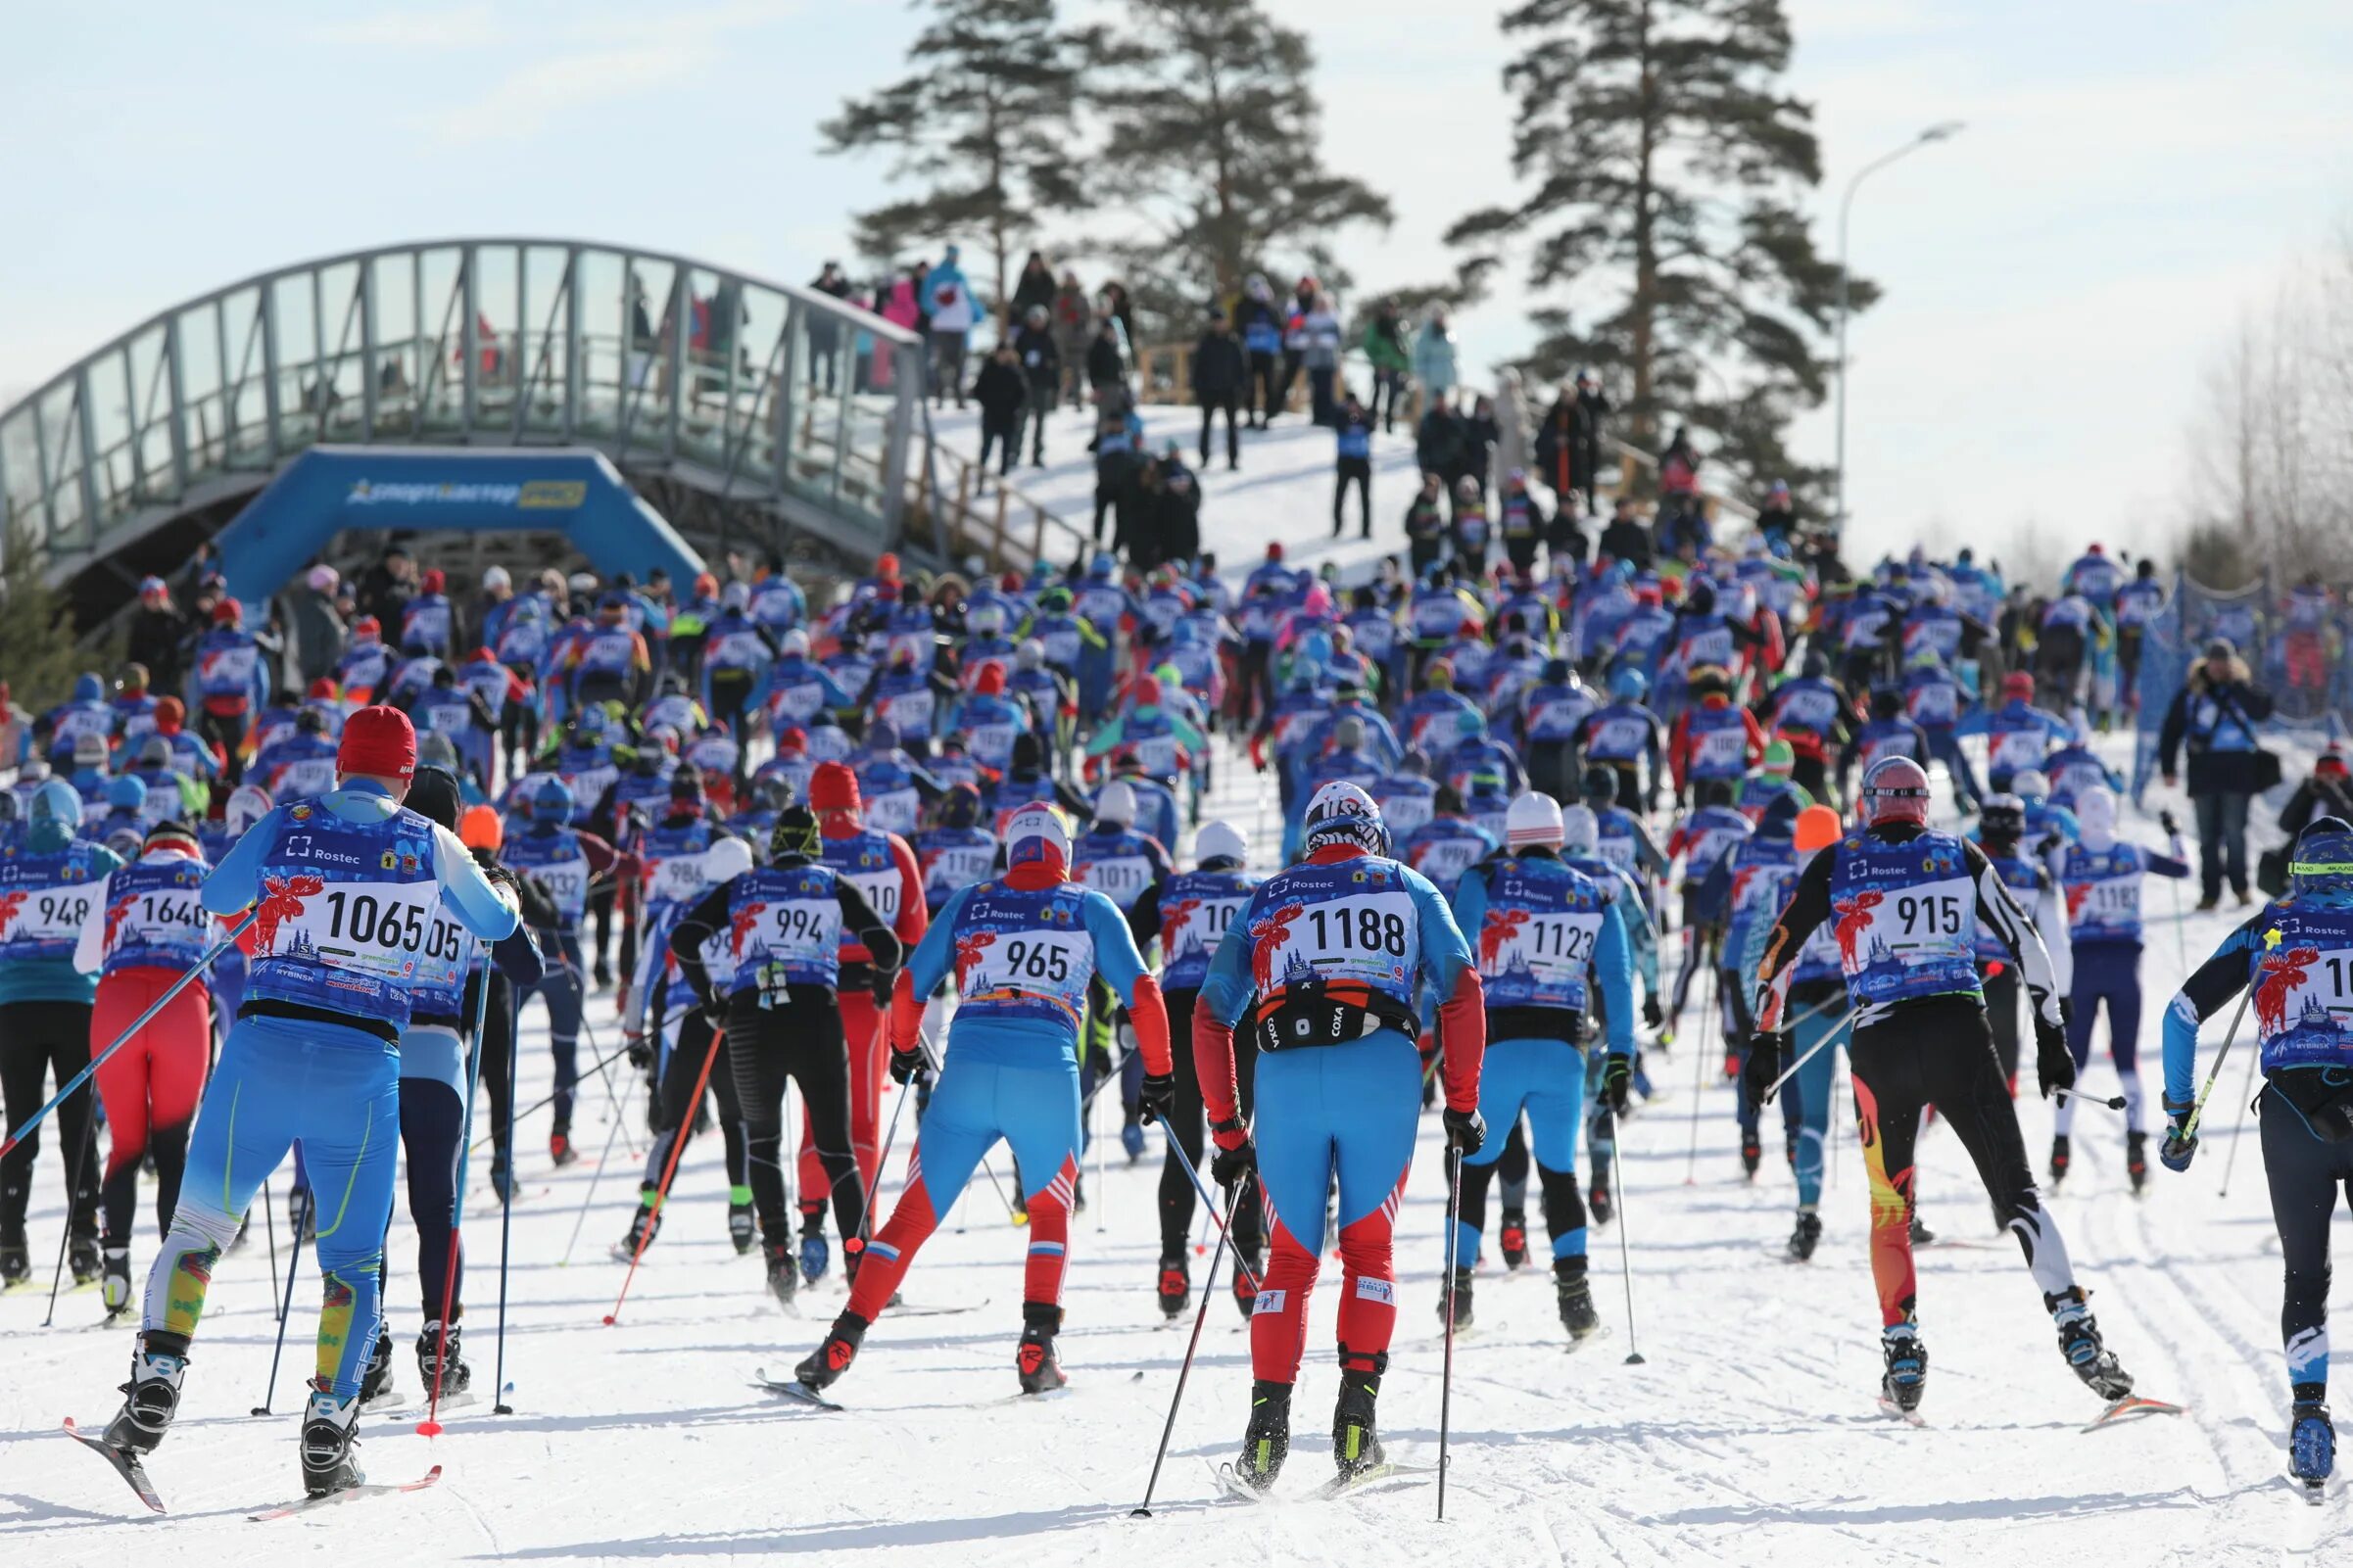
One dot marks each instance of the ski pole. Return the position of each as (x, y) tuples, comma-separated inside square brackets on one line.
[(662, 1192), (296, 1213), (2246, 1093), (1445, 1378), (499, 1406), (1625, 1261), (81, 1163), (1810, 1051), (591, 1196), (2113, 1102), (906, 1092), (545, 1101), (1210, 1206), (270, 1224), (66, 1090), (1699, 1073), (430, 1426), (1184, 1368), (2198, 1111)]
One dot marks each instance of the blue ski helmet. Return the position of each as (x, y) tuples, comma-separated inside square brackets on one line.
[(2323, 862), (553, 801), (1629, 686)]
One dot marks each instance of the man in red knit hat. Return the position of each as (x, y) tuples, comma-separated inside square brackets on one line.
[(883, 868)]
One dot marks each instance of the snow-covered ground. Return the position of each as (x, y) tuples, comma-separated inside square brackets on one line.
[(1282, 490), (1748, 1436)]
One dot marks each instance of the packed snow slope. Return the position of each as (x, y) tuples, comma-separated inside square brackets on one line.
[(1750, 1434)]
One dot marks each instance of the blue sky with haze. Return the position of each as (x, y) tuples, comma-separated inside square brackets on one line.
[(2135, 175)]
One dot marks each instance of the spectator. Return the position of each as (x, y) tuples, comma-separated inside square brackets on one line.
[(1626, 539), (1179, 511), (1678, 477), (1592, 404), (1320, 353), (2329, 792), (1294, 333), (1438, 441), (1219, 377), (319, 632), (1777, 518), (1117, 307), (1032, 289), (1040, 356), (1107, 363), (1354, 427), (1510, 423), (894, 302), (1479, 436), (1557, 449), (1426, 526), (825, 334), (1074, 328), (1119, 450), (386, 590), (947, 301), (2216, 712), (1261, 327), (1002, 392), (1434, 356), (1520, 518), (158, 634), (1392, 356)]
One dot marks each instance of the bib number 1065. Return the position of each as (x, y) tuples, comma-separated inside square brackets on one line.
[(362, 920)]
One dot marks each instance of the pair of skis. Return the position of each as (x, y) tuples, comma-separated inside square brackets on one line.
[(2129, 1407), (127, 1464), (1231, 1485)]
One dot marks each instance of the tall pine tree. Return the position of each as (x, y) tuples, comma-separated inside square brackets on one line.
[(1213, 141), (1666, 166), (985, 122)]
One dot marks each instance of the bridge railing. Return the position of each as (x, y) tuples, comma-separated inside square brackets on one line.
[(750, 388)]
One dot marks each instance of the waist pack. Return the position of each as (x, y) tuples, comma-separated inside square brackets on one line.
[(2321, 1096), (1310, 1015)]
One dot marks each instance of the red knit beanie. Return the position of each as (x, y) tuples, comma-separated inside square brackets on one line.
[(833, 787), (378, 741)]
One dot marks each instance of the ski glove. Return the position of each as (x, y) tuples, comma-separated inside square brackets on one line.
[(1617, 1082), (2054, 1063), (905, 1063), (1236, 1156), (641, 1050), (1466, 1130), (884, 980), (1159, 1095), (1652, 1014), (1766, 1053), (2170, 824), (2179, 1147)]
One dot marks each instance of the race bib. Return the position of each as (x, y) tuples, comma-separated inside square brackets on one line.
[(1369, 939), (1121, 878)]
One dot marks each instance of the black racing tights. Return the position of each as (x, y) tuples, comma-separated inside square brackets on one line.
[(800, 1040), (1185, 1128)]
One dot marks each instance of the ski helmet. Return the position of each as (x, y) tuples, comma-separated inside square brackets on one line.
[(1600, 784), (727, 859), (1895, 791), (1780, 758), (2004, 818), (1533, 821), (796, 834), (2031, 783), (1628, 686), (1580, 832), (246, 805), (1115, 804), (2019, 684), (1035, 836), (56, 801), (1343, 814), (2323, 862), (960, 807), (552, 801), (2096, 810), (1219, 841)]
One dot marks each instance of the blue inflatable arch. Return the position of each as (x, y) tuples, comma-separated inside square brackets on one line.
[(428, 490)]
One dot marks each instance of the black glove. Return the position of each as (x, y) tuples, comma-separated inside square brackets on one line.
[(1652, 1014), (714, 1011), (2054, 1063), (2170, 823), (2179, 1147), (884, 980), (905, 1063), (1617, 1082), (1236, 1155), (1766, 1054), (1159, 1095), (641, 1050), (1465, 1130)]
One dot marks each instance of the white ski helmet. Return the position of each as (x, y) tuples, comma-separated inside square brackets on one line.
[(726, 860), (1115, 803), (1580, 831), (1220, 840), (1341, 813), (1533, 820)]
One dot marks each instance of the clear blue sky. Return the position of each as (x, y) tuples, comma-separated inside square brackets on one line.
[(2135, 174)]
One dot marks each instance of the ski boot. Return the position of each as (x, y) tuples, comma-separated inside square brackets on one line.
[(2311, 1438), (1577, 1314), (1356, 1445), (1131, 1139), (1806, 1236), (1460, 1300), (560, 1152), (375, 1381), (1176, 1290), (1514, 1238), (604, 973), (1267, 1440), (438, 1352), (828, 1361), (815, 1254), (1921, 1235), (1599, 1203), (1751, 1155), (1245, 1293), (2136, 1159), (2080, 1343), (784, 1275), (643, 1226), (2059, 1160), (740, 1220), (327, 1442), (1906, 1376), (116, 1289), (81, 1257), (1035, 1361), (152, 1396), (501, 1177)]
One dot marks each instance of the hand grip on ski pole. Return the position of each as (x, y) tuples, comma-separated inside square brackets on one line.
[(66, 1091), (1810, 1051), (2113, 1102), (1210, 1205), (2190, 1129)]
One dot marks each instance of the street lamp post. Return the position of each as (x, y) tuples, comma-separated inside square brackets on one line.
[(1941, 131)]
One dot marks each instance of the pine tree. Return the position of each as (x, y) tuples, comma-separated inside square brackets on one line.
[(1213, 139), (1666, 166), (36, 629), (985, 122)]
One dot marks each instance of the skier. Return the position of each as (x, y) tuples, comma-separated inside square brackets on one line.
[(1128, 867), (1024, 948), (786, 927), (1920, 1038), (1546, 935), (2001, 831), (313, 1056), (1817, 1000), (2101, 877), (1328, 951), (566, 863), (2295, 953), (1743, 893), (1196, 909)]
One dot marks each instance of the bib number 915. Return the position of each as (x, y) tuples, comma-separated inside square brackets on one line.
[(1930, 914)]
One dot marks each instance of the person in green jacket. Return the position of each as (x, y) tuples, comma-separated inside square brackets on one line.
[(1392, 356)]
